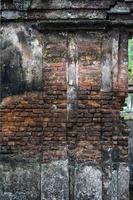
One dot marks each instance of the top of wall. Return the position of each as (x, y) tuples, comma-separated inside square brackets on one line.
[(111, 11), (114, 6)]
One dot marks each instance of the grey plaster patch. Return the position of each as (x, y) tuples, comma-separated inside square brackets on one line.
[(19, 181), (119, 10), (72, 76), (72, 93), (10, 14), (106, 65), (88, 183), (54, 181)]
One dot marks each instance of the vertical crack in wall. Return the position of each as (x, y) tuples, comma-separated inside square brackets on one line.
[(108, 64), (115, 79), (71, 109)]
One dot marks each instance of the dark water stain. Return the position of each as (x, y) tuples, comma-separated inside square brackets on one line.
[(12, 73), (13, 78)]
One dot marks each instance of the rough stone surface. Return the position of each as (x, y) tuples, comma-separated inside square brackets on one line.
[(123, 181), (88, 183), (19, 180), (54, 181), (130, 124), (117, 181)]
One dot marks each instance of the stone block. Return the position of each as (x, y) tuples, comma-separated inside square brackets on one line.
[(55, 181), (19, 180), (88, 183)]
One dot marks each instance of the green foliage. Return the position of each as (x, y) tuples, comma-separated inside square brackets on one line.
[(127, 112), (130, 61)]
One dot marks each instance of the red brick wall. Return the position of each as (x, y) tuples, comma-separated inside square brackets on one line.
[(84, 80)]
